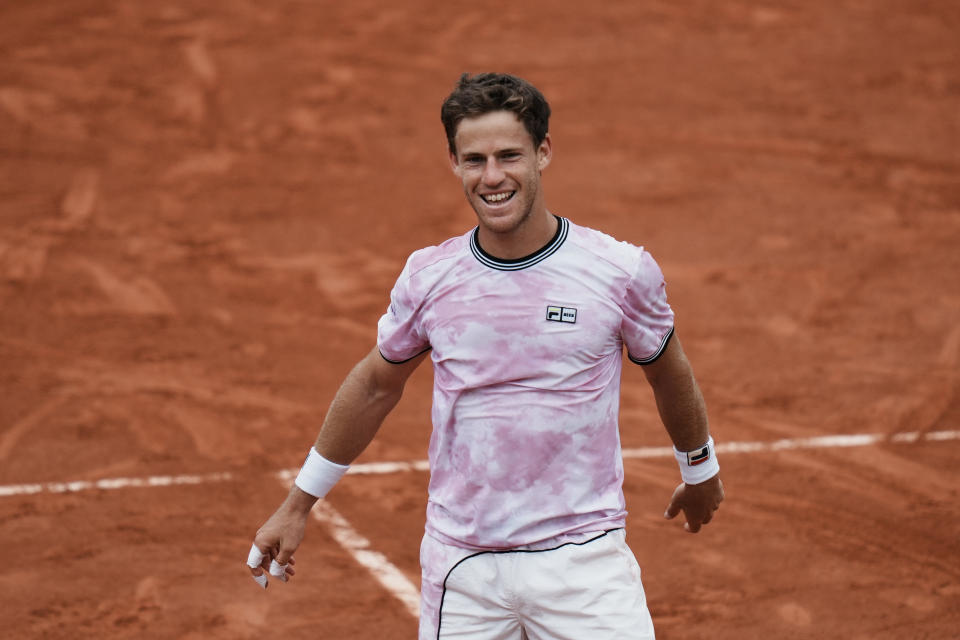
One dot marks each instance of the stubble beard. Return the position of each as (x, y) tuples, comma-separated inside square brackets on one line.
[(513, 225), (520, 221)]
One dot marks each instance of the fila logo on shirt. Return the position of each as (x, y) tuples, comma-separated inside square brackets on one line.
[(561, 314)]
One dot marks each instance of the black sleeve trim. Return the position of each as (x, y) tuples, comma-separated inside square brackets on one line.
[(402, 361), (655, 356)]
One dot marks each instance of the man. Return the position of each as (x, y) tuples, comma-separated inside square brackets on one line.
[(525, 319)]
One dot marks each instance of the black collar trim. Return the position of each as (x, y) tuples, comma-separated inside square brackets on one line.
[(563, 228)]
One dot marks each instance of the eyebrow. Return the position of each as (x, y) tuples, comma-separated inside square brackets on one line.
[(498, 152)]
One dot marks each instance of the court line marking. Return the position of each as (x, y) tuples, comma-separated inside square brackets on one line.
[(380, 468), (398, 585), (385, 572), (360, 549), (112, 483)]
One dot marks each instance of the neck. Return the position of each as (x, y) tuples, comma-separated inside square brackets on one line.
[(528, 237)]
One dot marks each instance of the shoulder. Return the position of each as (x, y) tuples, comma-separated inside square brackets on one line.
[(622, 256), (426, 262), (628, 268)]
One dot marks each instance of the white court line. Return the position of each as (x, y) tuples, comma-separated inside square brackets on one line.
[(816, 442), (368, 468), (380, 468), (111, 483), (386, 573), (396, 583)]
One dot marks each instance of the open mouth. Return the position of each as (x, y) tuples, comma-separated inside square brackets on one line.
[(495, 199)]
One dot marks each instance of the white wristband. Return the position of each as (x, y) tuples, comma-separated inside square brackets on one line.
[(698, 465), (318, 475)]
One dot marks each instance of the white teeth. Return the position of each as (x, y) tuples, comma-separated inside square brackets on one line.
[(497, 197)]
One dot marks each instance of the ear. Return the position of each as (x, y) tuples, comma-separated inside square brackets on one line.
[(544, 152), (454, 163)]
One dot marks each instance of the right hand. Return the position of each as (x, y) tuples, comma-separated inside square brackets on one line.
[(280, 536), (697, 501)]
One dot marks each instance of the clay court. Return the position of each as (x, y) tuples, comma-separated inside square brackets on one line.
[(203, 207)]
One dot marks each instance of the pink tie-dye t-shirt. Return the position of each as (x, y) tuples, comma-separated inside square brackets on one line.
[(527, 358)]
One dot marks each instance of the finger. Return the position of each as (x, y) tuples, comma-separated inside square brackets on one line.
[(694, 519), (284, 556), (261, 579), (255, 557), (675, 504), (278, 570), (255, 560)]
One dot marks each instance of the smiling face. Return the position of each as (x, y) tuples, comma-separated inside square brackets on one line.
[(500, 167)]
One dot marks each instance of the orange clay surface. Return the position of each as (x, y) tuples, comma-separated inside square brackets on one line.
[(203, 207)]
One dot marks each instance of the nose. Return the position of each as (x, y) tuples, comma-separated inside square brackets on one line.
[(492, 173)]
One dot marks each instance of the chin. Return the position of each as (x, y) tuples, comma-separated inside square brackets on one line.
[(501, 222)]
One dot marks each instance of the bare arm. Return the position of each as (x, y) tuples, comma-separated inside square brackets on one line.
[(370, 391), (678, 397), (684, 415)]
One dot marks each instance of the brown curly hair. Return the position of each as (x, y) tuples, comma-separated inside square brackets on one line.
[(485, 92)]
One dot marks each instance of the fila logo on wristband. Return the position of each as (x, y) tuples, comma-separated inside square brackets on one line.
[(698, 456), (698, 465)]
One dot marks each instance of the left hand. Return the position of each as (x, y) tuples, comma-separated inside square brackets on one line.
[(697, 501)]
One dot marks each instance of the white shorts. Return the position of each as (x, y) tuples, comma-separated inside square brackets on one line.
[(577, 590)]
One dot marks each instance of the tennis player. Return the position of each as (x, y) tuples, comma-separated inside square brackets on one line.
[(525, 318)]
